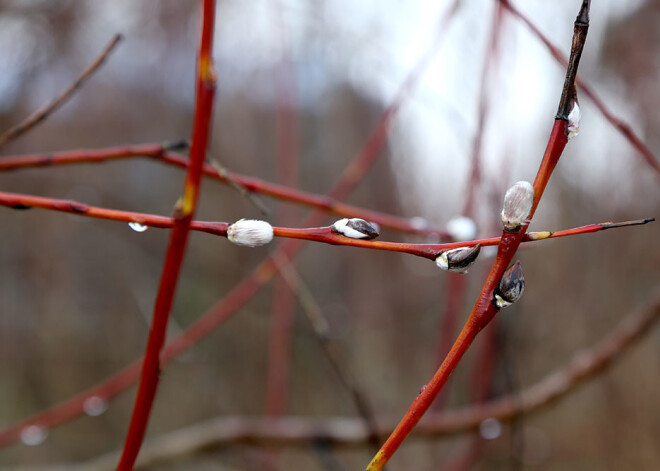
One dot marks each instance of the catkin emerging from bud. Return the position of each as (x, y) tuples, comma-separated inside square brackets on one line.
[(574, 121), (250, 233), (458, 260), (511, 287), (518, 203), (355, 228)]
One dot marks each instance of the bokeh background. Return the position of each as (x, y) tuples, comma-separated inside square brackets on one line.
[(76, 294)]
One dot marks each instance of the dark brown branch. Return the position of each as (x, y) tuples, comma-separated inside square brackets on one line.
[(569, 93)]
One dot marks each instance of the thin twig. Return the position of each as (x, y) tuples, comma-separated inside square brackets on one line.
[(620, 125), (251, 197), (321, 329), (44, 112)]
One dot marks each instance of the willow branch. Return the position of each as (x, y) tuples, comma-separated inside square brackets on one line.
[(326, 235)]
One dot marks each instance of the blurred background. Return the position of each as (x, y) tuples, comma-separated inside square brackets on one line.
[(301, 85)]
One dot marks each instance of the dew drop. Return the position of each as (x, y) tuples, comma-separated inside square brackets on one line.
[(137, 227), (419, 223), (490, 429), (33, 435), (95, 406)]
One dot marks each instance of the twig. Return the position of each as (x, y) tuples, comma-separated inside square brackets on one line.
[(623, 127), (343, 431), (321, 330), (251, 197), (184, 211), (44, 112), (484, 310)]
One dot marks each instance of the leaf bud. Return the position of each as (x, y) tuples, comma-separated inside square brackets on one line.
[(355, 228), (511, 287), (458, 260)]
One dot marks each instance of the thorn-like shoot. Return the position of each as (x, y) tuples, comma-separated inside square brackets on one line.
[(250, 233), (458, 260), (518, 203), (355, 228)]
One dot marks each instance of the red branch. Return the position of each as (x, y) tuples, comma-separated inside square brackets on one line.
[(184, 211), (484, 309), (324, 235)]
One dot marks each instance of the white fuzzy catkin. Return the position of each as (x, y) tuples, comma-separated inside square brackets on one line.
[(574, 121), (518, 203), (250, 233)]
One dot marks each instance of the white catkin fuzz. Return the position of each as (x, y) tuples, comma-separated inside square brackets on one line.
[(462, 228), (574, 121), (250, 233), (518, 203)]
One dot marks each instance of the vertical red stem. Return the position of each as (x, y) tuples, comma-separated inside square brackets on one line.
[(184, 211)]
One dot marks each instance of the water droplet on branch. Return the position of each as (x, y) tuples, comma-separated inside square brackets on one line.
[(33, 435), (490, 429), (137, 227), (95, 406)]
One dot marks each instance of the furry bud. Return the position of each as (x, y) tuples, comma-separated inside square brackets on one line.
[(458, 260), (250, 233), (511, 287), (518, 203), (574, 121), (355, 228)]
